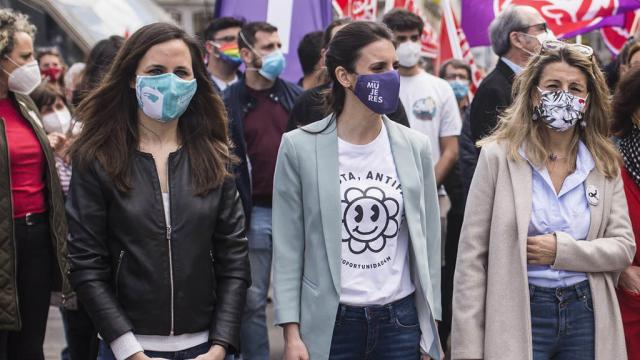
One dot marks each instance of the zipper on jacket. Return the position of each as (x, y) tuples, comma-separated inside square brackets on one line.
[(170, 276), (167, 233), (118, 270)]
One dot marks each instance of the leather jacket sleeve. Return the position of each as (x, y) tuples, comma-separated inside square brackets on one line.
[(89, 258), (231, 264)]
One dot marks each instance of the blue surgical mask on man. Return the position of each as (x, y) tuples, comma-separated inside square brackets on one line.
[(164, 97), (460, 88), (273, 63)]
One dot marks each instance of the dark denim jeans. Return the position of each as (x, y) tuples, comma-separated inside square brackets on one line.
[(382, 332), (562, 322), (105, 353)]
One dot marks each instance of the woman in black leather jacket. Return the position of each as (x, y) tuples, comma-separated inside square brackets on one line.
[(157, 245)]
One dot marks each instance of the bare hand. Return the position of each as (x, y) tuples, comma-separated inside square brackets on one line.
[(294, 347), (425, 357), (295, 350), (138, 356), (630, 279), (541, 249), (57, 140), (216, 352)]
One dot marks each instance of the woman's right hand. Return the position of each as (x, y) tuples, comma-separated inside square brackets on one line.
[(630, 279), (138, 356), (56, 140), (294, 347)]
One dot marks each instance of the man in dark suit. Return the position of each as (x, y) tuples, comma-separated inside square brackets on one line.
[(516, 35)]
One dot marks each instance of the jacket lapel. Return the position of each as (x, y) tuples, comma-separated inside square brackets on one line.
[(329, 194), (595, 181), (521, 183), (411, 186)]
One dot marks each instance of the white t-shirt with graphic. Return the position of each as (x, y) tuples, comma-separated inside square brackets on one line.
[(375, 237), (431, 108)]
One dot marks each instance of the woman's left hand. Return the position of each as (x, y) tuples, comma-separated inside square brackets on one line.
[(425, 357), (541, 249), (216, 352)]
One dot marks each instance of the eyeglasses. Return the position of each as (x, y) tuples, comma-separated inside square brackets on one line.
[(542, 27), (556, 45)]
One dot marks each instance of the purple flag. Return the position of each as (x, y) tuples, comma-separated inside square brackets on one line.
[(293, 18), (564, 18)]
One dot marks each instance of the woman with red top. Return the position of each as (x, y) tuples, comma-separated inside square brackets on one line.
[(32, 223), (626, 125)]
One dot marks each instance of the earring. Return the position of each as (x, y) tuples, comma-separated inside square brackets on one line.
[(583, 124)]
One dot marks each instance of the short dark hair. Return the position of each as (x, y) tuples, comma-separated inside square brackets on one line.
[(456, 64), (403, 20), (249, 30), (309, 51), (221, 24), (334, 24), (625, 103)]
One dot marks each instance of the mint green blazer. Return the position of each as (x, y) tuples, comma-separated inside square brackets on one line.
[(307, 231)]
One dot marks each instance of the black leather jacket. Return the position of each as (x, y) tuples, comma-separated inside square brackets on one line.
[(132, 272)]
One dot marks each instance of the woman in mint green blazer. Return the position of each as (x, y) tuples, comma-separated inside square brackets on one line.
[(356, 225)]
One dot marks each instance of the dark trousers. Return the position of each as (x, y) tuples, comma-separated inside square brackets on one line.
[(378, 332), (454, 187), (81, 335), (454, 224), (34, 265)]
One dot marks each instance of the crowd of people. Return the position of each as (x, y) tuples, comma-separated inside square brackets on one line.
[(165, 185)]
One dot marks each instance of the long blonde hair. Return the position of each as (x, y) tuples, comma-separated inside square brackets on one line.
[(516, 126)]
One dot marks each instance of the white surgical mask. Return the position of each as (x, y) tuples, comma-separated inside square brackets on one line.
[(408, 53), (57, 121), (542, 37), (24, 78)]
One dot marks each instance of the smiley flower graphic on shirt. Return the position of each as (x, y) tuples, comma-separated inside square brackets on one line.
[(368, 219)]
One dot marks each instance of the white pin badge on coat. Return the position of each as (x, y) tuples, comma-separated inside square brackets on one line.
[(593, 195)]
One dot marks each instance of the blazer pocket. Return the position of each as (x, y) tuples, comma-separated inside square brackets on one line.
[(312, 286)]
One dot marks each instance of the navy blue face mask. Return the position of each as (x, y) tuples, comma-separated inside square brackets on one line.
[(379, 92)]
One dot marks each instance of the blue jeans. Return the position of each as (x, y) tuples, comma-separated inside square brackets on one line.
[(105, 353), (254, 337), (381, 332), (562, 322)]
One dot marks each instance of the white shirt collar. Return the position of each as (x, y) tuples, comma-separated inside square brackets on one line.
[(517, 69)]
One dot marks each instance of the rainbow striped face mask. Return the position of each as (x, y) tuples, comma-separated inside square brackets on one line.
[(229, 53)]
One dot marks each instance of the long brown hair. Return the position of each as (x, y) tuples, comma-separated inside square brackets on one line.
[(110, 122), (516, 126)]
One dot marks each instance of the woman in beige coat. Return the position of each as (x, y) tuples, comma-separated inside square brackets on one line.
[(546, 231)]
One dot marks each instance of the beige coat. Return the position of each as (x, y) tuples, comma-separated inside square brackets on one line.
[(491, 314)]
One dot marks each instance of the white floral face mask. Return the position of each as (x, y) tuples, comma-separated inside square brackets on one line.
[(559, 110)]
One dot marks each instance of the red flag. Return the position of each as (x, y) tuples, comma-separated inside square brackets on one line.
[(615, 37), (357, 9), (453, 44)]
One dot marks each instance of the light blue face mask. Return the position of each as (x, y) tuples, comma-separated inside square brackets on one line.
[(272, 65), (164, 97), (460, 88)]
